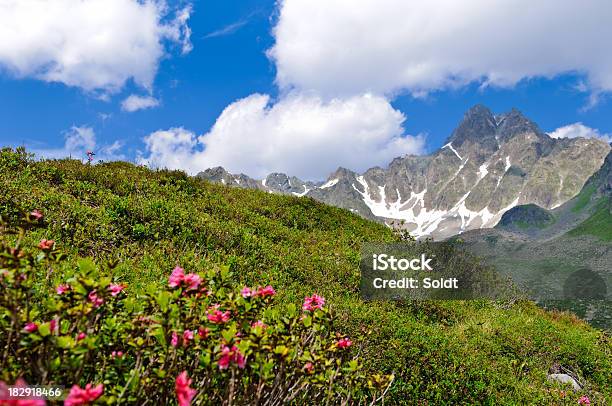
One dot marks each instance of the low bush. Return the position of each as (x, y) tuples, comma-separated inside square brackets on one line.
[(200, 340)]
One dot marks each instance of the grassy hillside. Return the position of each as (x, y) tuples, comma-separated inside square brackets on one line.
[(599, 223), (151, 221)]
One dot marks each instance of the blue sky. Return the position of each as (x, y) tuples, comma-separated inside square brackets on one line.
[(229, 59)]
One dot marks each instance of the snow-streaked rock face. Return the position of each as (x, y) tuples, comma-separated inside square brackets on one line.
[(488, 165)]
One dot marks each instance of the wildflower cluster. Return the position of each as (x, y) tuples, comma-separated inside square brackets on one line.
[(199, 339)]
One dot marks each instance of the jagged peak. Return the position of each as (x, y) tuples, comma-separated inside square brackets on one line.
[(515, 122), (341, 173), (478, 124)]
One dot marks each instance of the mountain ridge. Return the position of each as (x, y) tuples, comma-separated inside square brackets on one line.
[(489, 164)]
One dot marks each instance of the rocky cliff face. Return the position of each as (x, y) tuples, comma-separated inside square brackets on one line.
[(488, 165)]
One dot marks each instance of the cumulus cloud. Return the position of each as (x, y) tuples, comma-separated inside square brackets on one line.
[(299, 135), (580, 130), (96, 45), (77, 141), (387, 46), (134, 103)]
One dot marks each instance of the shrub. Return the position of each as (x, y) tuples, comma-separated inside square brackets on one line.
[(202, 339)]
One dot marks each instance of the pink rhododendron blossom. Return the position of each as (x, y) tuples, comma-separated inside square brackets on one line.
[(344, 343), (313, 302), (81, 336), (83, 396), (36, 214), (184, 393), (95, 300), (31, 327), (267, 291), (218, 317), (46, 245), (584, 400), (192, 281), (258, 323), (62, 288), (117, 354), (176, 277), (187, 336), (246, 292), (231, 355), (175, 340), (116, 288), (54, 326), (203, 332), (309, 367), (23, 401)]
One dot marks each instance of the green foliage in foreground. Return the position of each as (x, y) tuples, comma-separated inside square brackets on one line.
[(147, 222), (233, 345)]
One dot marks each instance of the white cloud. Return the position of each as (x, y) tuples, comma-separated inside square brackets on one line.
[(77, 141), (347, 47), (580, 130), (135, 103), (96, 45), (299, 135)]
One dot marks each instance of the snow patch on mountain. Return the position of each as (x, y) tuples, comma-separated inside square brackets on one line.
[(329, 184)]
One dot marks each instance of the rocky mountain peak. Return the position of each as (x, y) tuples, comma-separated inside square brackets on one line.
[(341, 173), (478, 125), (514, 123)]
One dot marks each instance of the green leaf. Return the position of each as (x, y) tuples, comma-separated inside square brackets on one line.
[(65, 342), (86, 266), (44, 329)]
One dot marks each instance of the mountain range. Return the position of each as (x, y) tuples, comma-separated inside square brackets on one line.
[(488, 165)]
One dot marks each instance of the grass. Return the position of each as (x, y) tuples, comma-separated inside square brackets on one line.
[(598, 224), (584, 197), (475, 352)]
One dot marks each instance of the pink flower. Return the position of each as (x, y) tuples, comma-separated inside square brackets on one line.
[(267, 291), (231, 355), (62, 288), (344, 343), (36, 214), (258, 323), (79, 396), (31, 327), (174, 341), (116, 288), (584, 400), (219, 317), (24, 401), (192, 281), (117, 354), (184, 393), (246, 292), (81, 336), (309, 367), (176, 277), (187, 336), (95, 299), (313, 302), (203, 332), (46, 245), (54, 326)]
